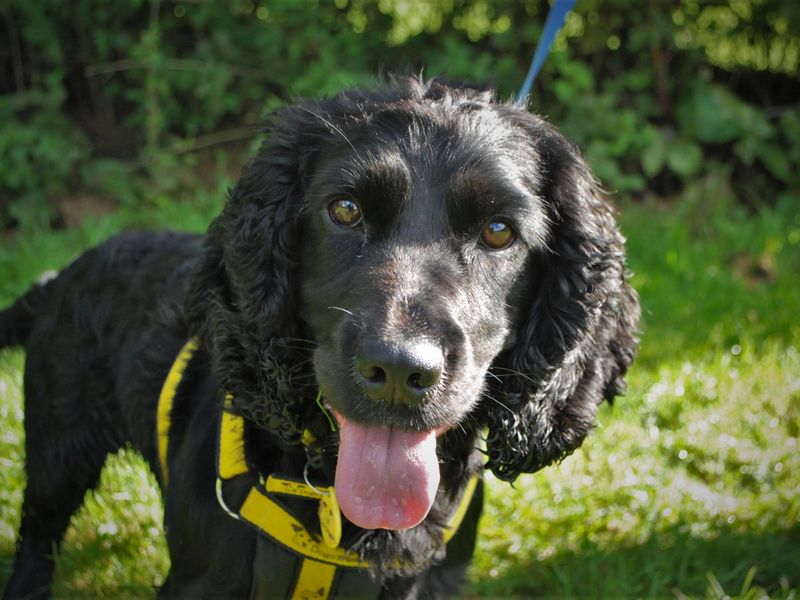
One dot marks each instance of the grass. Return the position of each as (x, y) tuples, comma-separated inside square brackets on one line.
[(687, 489), (692, 479)]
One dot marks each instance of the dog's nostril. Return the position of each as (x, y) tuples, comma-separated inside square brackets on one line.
[(373, 374), (414, 381), (424, 380)]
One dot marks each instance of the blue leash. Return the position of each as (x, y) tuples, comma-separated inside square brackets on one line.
[(555, 21)]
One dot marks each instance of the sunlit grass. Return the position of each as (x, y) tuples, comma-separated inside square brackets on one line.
[(116, 545), (688, 487), (694, 475)]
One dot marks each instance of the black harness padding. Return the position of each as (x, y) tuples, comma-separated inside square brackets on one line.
[(276, 569)]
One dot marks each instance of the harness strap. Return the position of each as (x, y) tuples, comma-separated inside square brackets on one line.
[(165, 401), (261, 509), (316, 577), (461, 510)]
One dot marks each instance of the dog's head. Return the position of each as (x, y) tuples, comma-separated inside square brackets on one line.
[(436, 263)]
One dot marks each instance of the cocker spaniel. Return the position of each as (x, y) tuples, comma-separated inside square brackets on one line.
[(406, 287)]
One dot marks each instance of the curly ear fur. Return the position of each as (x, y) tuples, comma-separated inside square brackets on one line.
[(243, 297), (578, 335)]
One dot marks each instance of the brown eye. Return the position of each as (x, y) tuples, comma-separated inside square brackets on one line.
[(497, 235), (345, 212)]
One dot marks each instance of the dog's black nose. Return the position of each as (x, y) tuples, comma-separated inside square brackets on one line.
[(398, 372)]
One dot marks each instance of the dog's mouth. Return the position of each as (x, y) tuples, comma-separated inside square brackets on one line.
[(386, 478)]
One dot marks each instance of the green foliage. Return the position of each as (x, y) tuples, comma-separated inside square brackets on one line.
[(653, 118), (39, 160), (758, 34), (713, 115), (655, 93)]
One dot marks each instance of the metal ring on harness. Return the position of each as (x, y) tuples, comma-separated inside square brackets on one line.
[(311, 485)]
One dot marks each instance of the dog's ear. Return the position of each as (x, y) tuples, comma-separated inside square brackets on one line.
[(577, 334), (242, 300)]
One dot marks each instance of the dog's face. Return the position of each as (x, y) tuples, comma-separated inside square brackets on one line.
[(415, 239), (417, 230), (449, 264)]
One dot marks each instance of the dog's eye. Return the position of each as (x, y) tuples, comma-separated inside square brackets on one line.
[(497, 235), (345, 212)]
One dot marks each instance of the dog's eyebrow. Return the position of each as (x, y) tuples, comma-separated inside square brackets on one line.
[(477, 195), (363, 171), (490, 190), (380, 182)]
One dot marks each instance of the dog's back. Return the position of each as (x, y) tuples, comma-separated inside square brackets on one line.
[(115, 284)]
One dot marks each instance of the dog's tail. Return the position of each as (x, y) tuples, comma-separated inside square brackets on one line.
[(16, 321)]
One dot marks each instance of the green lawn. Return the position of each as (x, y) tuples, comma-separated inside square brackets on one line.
[(689, 487)]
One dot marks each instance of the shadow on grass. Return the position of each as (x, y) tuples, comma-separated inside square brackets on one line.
[(6, 563), (671, 563)]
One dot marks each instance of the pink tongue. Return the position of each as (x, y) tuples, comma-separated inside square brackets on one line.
[(385, 478)]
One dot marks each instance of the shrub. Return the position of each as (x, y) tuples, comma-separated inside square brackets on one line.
[(655, 93)]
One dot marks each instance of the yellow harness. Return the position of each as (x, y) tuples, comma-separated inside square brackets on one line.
[(321, 556)]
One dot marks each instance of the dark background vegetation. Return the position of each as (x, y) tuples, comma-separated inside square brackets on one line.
[(110, 99), (139, 113)]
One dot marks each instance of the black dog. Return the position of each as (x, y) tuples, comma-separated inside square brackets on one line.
[(396, 275)]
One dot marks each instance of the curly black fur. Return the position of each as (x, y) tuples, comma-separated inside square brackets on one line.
[(530, 338)]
